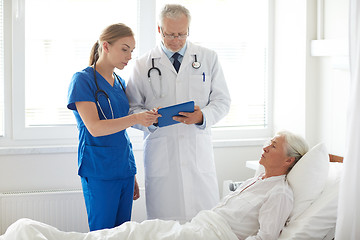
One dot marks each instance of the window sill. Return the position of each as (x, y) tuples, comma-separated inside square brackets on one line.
[(37, 150), (137, 146), (238, 142)]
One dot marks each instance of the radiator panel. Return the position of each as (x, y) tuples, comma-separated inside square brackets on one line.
[(64, 210)]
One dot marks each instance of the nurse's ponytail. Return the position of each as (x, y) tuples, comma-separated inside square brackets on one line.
[(110, 34), (94, 54)]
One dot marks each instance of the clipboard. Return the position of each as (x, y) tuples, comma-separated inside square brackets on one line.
[(167, 113)]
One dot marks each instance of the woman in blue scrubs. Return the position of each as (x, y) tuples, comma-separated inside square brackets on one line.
[(106, 162)]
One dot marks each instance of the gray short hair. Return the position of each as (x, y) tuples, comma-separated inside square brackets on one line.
[(173, 11), (296, 146)]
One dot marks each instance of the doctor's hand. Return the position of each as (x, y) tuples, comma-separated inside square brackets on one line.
[(147, 118), (195, 117)]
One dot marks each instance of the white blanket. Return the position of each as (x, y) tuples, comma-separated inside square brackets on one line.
[(206, 225)]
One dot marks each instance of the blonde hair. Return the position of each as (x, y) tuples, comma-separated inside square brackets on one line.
[(110, 34)]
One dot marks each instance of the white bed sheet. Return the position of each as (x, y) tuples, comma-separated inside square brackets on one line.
[(207, 225)]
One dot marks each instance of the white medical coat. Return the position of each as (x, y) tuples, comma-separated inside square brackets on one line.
[(180, 177)]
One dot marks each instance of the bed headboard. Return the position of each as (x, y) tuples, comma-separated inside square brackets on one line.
[(335, 158)]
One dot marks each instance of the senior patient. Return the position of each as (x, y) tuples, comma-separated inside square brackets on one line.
[(258, 209)]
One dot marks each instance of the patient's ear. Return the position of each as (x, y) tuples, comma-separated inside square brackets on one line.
[(290, 161)]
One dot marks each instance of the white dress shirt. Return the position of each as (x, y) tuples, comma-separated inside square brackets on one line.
[(259, 208)]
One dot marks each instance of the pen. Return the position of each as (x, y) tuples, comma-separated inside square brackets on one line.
[(203, 77)]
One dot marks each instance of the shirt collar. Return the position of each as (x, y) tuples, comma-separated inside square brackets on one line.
[(169, 53), (274, 178)]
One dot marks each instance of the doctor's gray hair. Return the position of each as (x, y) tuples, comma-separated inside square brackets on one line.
[(296, 146), (173, 11), (110, 34)]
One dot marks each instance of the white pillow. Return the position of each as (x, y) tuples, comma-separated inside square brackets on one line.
[(320, 218), (308, 177)]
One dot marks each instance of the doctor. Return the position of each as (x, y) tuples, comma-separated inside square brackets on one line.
[(180, 176)]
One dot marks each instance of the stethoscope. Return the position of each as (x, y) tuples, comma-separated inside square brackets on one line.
[(98, 91), (195, 65)]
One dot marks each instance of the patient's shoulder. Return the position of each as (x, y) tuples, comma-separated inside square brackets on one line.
[(281, 186)]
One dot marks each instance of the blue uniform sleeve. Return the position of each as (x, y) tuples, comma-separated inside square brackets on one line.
[(81, 89)]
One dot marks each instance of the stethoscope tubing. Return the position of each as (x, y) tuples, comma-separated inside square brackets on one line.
[(195, 65), (160, 80), (98, 91)]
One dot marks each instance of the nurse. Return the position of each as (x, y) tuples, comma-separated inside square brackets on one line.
[(180, 177), (106, 162)]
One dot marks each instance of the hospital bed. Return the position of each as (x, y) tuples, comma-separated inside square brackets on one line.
[(315, 182)]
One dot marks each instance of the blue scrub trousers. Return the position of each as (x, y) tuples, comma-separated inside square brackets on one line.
[(108, 202)]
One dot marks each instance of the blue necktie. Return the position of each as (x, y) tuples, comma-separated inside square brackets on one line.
[(176, 61)]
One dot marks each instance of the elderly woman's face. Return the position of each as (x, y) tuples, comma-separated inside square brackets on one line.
[(274, 155)]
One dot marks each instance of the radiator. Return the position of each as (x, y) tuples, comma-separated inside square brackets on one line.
[(64, 210)]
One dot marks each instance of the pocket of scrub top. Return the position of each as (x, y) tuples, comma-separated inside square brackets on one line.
[(204, 154), (156, 157), (107, 162), (200, 89)]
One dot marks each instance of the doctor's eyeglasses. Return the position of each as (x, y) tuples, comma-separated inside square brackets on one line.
[(172, 37)]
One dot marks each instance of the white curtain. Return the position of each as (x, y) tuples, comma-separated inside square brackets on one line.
[(348, 222)]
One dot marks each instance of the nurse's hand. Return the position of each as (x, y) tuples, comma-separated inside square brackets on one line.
[(136, 190), (155, 110), (147, 118), (195, 117)]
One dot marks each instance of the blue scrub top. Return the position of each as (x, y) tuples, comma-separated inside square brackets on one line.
[(107, 157)]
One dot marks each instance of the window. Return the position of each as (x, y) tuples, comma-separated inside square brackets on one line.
[(238, 31), (57, 43), (52, 40)]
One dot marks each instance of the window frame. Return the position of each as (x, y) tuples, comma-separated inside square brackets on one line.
[(20, 131), (16, 133)]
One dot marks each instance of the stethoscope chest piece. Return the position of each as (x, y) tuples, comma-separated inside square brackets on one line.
[(196, 64)]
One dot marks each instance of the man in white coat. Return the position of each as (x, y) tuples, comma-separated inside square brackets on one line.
[(180, 176)]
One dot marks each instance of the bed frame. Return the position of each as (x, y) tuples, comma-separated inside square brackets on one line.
[(335, 158)]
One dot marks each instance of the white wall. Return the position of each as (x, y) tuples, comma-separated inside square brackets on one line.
[(334, 78), (45, 171), (290, 66), (310, 95), (28, 172)]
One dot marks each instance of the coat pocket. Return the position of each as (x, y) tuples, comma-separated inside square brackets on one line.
[(156, 157), (204, 154), (200, 89)]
